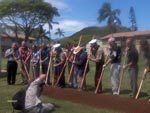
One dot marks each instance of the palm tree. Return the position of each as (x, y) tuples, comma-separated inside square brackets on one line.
[(106, 13), (60, 33), (132, 18), (41, 34)]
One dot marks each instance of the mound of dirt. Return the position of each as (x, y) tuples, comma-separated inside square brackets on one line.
[(116, 103)]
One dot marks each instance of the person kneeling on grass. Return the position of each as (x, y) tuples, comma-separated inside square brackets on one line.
[(32, 102)]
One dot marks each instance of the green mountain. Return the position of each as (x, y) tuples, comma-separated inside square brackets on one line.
[(88, 32)]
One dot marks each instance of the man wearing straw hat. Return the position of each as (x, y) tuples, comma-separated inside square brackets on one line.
[(73, 79), (60, 59), (98, 54), (80, 62), (115, 60)]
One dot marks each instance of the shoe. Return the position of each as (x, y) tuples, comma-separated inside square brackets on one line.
[(114, 93), (131, 96)]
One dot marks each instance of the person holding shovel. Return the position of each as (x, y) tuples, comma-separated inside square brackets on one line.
[(59, 62), (132, 65), (35, 59), (25, 55), (12, 55), (145, 48), (80, 62), (115, 60), (98, 58)]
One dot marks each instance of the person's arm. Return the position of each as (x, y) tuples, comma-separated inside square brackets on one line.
[(8, 53), (62, 57), (94, 59), (98, 57), (28, 57), (107, 62), (132, 58)]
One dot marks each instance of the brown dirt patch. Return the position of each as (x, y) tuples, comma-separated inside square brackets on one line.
[(116, 103)]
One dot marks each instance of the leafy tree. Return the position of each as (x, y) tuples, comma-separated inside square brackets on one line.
[(26, 14), (106, 13), (60, 33), (132, 18), (41, 34)]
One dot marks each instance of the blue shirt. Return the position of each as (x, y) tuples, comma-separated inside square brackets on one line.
[(45, 54)]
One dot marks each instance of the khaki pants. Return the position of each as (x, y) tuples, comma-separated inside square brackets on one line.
[(41, 108)]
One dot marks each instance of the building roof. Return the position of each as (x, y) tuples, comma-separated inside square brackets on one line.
[(127, 34), (20, 36)]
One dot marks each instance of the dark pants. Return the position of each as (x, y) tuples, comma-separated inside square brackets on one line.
[(97, 77), (59, 70), (133, 75), (11, 72)]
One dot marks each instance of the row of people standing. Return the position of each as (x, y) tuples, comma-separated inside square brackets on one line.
[(25, 55), (39, 58), (78, 57)]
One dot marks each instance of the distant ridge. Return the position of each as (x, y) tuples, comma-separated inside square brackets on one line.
[(88, 32)]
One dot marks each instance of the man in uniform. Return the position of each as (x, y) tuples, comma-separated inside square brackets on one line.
[(59, 62), (98, 58)]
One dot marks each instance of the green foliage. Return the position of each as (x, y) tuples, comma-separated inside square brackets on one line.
[(60, 33), (26, 14), (132, 19), (106, 12)]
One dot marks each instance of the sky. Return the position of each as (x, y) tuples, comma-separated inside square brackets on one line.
[(78, 14)]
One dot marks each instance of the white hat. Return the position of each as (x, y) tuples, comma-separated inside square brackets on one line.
[(56, 45), (92, 41), (111, 39), (77, 49)]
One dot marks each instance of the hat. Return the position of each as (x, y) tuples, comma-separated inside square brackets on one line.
[(77, 49), (92, 41), (56, 45), (111, 39)]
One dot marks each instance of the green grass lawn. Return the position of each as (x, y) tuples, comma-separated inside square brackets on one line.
[(6, 92)]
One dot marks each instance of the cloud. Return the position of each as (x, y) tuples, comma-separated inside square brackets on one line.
[(70, 26), (58, 4)]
